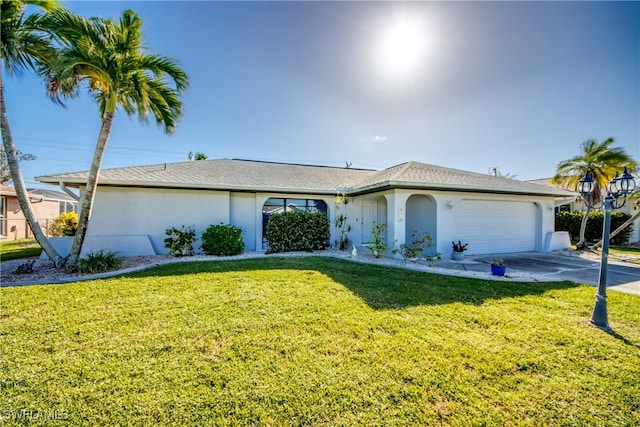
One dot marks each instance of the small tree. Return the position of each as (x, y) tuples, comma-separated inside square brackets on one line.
[(419, 242), (65, 225), (342, 226), (377, 246), (109, 58), (5, 173)]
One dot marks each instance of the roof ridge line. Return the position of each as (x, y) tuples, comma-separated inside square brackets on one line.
[(298, 164)]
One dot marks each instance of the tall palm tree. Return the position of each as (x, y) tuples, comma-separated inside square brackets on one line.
[(602, 161), (108, 57), (25, 46)]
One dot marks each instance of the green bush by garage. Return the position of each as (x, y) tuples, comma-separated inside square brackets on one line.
[(571, 221)]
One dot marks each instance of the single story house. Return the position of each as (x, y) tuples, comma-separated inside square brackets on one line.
[(47, 206), (135, 205)]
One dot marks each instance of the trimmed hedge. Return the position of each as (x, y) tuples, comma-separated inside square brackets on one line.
[(570, 221), (222, 240), (297, 231)]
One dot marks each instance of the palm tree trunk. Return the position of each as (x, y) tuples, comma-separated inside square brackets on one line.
[(619, 229), (86, 201), (18, 184), (582, 244)]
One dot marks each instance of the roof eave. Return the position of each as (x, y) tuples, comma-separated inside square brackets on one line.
[(381, 186), (77, 183), (355, 191)]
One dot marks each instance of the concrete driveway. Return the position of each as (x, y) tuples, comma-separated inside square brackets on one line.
[(621, 276)]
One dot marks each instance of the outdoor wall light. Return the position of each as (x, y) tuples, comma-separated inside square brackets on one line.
[(618, 189)]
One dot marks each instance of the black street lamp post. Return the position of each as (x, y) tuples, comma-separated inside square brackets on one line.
[(617, 191)]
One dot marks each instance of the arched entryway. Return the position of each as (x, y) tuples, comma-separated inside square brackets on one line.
[(421, 216)]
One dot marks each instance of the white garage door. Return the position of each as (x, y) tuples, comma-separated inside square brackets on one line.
[(496, 226)]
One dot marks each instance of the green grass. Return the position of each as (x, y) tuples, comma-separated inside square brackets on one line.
[(315, 341), (632, 254), (16, 249)]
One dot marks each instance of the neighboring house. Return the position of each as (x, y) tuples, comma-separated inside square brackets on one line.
[(577, 205), (47, 205), (135, 205)]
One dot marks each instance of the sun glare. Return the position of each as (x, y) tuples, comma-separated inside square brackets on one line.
[(402, 48)]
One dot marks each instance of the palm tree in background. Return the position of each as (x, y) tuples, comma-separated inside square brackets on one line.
[(602, 161), (25, 45), (632, 200), (108, 57)]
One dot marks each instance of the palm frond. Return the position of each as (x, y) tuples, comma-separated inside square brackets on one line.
[(600, 159), (107, 57), (26, 41)]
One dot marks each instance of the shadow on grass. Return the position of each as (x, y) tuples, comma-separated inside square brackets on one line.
[(619, 337), (379, 286)]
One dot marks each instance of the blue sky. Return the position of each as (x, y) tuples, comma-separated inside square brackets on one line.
[(512, 85)]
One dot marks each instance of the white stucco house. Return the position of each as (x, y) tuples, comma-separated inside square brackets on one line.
[(135, 205)]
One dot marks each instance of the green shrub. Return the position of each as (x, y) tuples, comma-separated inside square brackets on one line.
[(378, 247), (180, 241), (99, 262), (65, 225), (343, 241), (571, 221), (222, 240), (418, 243), (297, 231)]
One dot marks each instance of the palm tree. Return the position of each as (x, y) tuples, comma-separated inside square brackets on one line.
[(633, 199), (602, 161), (108, 56), (25, 46)]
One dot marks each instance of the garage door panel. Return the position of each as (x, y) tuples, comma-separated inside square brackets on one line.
[(497, 226)]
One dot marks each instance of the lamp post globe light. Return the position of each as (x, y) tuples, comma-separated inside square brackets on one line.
[(618, 189)]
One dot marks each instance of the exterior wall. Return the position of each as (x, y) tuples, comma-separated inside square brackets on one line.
[(145, 211), (149, 212), (446, 204), (243, 206), (47, 209), (14, 225)]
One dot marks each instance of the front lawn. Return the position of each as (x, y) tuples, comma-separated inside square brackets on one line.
[(16, 249), (315, 341), (630, 253)]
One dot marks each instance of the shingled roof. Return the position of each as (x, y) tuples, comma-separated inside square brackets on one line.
[(249, 175)]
